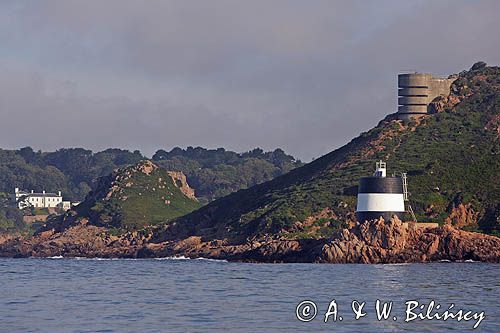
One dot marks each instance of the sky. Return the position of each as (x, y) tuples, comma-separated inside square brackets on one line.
[(304, 76)]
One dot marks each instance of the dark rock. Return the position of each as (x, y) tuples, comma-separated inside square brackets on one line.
[(478, 65)]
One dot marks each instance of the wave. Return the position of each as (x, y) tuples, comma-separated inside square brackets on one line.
[(171, 258), (81, 258), (100, 259), (187, 258), (467, 261), (210, 259)]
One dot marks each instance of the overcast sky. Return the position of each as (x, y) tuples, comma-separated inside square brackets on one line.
[(305, 76)]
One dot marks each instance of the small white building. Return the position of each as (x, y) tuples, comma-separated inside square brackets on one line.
[(38, 200), (66, 205)]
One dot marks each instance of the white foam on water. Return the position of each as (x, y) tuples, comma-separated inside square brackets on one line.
[(210, 259), (187, 258), (114, 259), (101, 259), (173, 258), (460, 261)]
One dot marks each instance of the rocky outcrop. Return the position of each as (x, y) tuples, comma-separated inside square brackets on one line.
[(494, 126), (180, 181), (372, 242), (462, 215), (396, 242), (146, 167), (179, 178), (4, 237), (444, 103), (381, 242)]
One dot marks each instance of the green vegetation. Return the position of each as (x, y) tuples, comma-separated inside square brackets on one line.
[(321, 228), (74, 171), (40, 211), (11, 219), (134, 197), (218, 172), (213, 173), (452, 157), (71, 171)]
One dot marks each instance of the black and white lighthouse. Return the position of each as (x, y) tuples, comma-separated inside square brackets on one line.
[(381, 196)]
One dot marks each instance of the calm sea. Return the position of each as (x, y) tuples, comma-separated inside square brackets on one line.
[(71, 295)]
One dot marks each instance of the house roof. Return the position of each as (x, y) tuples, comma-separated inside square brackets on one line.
[(44, 195), (29, 194)]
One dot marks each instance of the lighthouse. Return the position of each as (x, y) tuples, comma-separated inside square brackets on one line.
[(381, 196)]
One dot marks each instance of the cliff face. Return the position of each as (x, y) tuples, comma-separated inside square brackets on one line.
[(180, 181)]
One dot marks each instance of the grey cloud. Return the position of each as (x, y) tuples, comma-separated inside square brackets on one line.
[(304, 76)]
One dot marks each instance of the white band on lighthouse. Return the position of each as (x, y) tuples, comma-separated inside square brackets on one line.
[(380, 202)]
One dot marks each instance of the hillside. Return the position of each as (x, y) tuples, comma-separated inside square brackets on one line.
[(452, 159), (133, 197), (213, 173), (69, 170)]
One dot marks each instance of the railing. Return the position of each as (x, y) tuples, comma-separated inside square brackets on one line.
[(410, 210), (406, 195), (405, 186)]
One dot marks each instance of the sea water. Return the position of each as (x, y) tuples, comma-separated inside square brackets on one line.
[(181, 295)]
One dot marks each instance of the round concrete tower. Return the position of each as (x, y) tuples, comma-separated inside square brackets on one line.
[(417, 90), (413, 94), (380, 196)]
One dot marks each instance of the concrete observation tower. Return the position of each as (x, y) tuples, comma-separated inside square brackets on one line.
[(381, 196), (417, 90)]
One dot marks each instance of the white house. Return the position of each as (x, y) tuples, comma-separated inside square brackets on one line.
[(38, 200)]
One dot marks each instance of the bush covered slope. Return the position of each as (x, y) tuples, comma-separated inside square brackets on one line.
[(213, 173), (452, 159), (70, 170), (135, 196)]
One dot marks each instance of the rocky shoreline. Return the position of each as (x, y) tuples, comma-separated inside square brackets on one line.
[(370, 243)]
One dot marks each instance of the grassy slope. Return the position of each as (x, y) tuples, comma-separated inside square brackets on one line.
[(138, 199), (456, 151), (147, 206)]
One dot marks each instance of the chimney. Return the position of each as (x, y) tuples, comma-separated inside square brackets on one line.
[(59, 193), (43, 191), (32, 191), (16, 190)]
